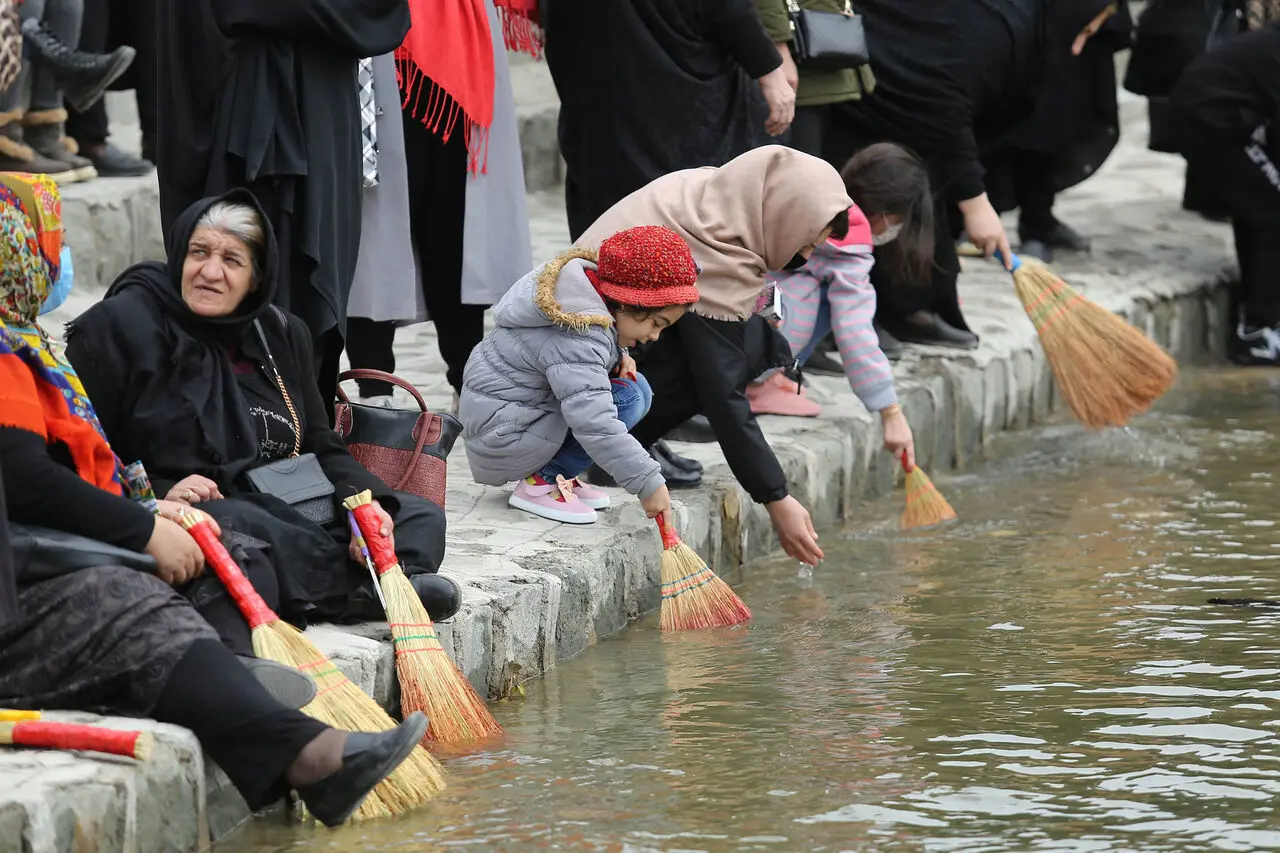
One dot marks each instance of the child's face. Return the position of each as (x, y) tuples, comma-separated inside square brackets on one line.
[(633, 330)]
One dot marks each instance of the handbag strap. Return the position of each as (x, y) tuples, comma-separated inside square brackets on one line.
[(381, 376), (284, 392)]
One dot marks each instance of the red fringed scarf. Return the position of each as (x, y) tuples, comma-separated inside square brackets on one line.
[(446, 66)]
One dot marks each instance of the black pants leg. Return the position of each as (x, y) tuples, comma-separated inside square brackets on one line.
[(1034, 190), (437, 204), (898, 300), (809, 130), (252, 737), (675, 397), (371, 345), (90, 127), (211, 600), (137, 23)]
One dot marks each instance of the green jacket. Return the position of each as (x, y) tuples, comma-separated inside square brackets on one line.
[(816, 87)]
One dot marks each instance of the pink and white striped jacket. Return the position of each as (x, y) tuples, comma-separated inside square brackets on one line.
[(839, 273)]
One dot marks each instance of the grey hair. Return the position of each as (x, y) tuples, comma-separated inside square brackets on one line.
[(240, 221)]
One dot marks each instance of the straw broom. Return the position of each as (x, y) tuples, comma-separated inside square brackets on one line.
[(49, 735), (693, 596), (429, 679), (925, 506), (338, 702), (1107, 370)]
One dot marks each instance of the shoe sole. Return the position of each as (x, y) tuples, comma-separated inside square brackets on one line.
[(785, 414), (60, 178), (85, 173), (597, 503), (289, 687), (549, 513)]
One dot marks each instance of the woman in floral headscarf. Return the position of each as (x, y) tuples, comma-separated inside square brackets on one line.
[(117, 638)]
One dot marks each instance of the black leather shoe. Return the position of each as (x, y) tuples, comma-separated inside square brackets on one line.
[(696, 430), (288, 686), (367, 759), (111, 162), (682, 463), (441, 595), (675, 477), (84, 76), (889, 345), (935, 332), (1060, 236)]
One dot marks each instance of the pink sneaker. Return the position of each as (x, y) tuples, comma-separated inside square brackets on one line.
[(778, 395), (590, 495), (554, 501)]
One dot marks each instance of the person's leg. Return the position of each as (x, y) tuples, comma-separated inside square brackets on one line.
[(633, 399), (437, 196), (89, 128), (266, 748), (809, 129), (45, 120), (144, 30), (371, 346)]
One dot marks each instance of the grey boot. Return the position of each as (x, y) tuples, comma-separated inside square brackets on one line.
[(42, 130), (17, 156)]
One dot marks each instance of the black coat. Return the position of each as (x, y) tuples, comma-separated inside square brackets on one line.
[(952, 78), (262, 94), (649, 87), (164, 386)]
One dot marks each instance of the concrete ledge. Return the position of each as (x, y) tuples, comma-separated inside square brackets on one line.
[(538, 592)]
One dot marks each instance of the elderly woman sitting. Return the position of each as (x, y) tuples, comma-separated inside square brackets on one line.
[(109, 633), (196, 374)]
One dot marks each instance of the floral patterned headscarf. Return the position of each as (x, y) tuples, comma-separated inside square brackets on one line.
[(30, 245)]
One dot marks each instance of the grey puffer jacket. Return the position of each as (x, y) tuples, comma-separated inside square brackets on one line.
[(543, 372)]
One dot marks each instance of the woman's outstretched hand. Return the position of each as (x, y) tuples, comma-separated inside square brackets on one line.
[(386, 526), (194, 489), (795, 530)]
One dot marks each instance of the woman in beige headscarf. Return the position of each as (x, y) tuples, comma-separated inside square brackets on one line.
[(764, 210)]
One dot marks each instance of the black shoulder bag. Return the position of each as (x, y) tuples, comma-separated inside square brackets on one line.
[(827, 41), (298, 480)]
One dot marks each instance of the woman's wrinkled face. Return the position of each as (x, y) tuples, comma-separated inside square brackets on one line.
[(634, 330), (217, 273)]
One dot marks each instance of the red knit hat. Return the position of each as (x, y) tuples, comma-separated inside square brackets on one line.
[(648, 266)]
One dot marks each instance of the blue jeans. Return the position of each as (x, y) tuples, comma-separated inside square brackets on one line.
[(633, 399)]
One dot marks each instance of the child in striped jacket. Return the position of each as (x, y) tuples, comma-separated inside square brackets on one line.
[(832, 292)]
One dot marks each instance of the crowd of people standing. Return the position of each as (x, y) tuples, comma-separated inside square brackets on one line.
[(331, 170)]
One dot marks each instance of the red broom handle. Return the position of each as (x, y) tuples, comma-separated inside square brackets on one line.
[(380, 548), (670, 538), (255, 610), (906, 466), (71, 736)]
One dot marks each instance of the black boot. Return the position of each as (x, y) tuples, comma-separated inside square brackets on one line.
[(680, 463), (84, 76), (441, 595), (367, 759)]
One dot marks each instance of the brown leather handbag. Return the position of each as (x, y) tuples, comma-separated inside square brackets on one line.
[(407, 450)]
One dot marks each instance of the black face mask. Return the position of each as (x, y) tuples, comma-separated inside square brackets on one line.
[(795, 263)]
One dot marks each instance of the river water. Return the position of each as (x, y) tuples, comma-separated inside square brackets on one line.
[(1045, 674)]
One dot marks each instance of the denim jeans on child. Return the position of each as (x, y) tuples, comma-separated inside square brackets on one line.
[(632, 397)]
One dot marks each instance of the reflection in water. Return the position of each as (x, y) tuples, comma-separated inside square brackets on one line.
[(1044, 675)]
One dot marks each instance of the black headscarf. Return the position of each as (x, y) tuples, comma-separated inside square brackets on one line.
[(187, 354)]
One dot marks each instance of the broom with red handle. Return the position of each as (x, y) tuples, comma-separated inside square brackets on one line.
[(338, 702), (693, 596), (925, 506), (50, 735), (1107, 370), (429, 679)]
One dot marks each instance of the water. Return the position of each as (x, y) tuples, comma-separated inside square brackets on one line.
[(1044, 675)]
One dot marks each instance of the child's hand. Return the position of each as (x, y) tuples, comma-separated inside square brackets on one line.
[(627, 367), (658, 503), (897, 434)]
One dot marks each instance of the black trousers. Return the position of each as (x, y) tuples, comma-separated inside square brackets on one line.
[(437, 211), (809, 131), (1026, 178), (108, 24), (250, 735)]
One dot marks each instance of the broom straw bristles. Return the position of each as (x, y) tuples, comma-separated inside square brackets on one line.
[(1107, 370), (429, 679), (693, 596), (338, 702), (925, 505)]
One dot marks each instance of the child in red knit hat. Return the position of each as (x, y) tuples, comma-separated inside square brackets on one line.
[(552, 389)]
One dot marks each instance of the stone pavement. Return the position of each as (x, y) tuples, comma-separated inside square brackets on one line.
[(539, 592)]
